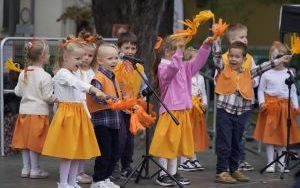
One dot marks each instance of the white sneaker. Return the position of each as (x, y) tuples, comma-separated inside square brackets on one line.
[(25, 173), (111, 184), (64, 185), (38, 174), (187, 166), (271, 169), (99, 184), (282, 167), (77, 186)]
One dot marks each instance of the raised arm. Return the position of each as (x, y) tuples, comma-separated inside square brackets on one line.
[(269, 65), (199, 61)]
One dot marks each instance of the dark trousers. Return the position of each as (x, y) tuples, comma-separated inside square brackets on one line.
[(126, 143), (230, 129), (108, 141)]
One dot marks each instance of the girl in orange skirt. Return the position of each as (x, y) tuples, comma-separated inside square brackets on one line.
[(174, 79), (271, 127), (86, 73), (199, 100), (71, 135), (35, 88)]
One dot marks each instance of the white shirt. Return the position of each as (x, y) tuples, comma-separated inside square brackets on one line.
[(67, 87), (36, 91), (273, 83), (198, 87)]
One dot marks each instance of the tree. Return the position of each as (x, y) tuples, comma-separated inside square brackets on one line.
[(146, 18)]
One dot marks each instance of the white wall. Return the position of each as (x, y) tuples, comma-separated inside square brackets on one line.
[(45, 15)]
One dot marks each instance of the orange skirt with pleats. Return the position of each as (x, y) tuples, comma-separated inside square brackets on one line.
[(200, 134), (171, 140), (71, 134), (271, 126), (30, 132)]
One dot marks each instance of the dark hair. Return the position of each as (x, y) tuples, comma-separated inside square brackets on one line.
[(127, 37), (167, 44), (239, 45)]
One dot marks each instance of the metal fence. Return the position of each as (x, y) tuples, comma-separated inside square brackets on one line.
[(13, 47)]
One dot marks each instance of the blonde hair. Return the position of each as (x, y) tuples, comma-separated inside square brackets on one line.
[(105, 44), (233, 28), (167, 44), (66, 46), (33, 51), (276, 45)]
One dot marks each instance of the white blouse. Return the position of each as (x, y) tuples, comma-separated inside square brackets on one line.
[(68, 88), (273, 83), (198, 87)]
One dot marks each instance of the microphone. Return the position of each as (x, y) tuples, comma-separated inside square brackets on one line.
[(132, 59)]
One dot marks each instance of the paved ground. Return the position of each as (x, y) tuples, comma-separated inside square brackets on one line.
[(10, 170)]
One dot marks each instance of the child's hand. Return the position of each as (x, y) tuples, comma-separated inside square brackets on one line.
[(204, 107), (262, 106), (100, 95), (285, 58), (208, 40)]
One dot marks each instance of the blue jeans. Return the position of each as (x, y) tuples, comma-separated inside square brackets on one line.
[(230, 129)]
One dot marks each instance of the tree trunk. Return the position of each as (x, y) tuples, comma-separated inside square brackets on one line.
[(146, 18)]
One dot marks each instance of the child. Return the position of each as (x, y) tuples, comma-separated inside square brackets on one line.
[(86, 73), (271, 127), (199, 100), (131, 85), (106, 122), (234, 100), (71, 136), (174, 78), (35, 88), (234, 33)]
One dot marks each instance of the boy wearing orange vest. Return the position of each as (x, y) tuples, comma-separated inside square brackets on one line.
[(238, 32), (234, 101), (106, 122), (132, 85)]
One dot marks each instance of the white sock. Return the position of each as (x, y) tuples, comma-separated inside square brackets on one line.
[(26, 159), (183, 159), (164, 163), (282, 159), (34, 160), (64, 168), (73, 172), (81, 166), (172, 166), (194, 158), (270, 152)]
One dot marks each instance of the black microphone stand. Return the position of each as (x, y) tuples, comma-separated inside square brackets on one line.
[(287, 154), (143, 164)]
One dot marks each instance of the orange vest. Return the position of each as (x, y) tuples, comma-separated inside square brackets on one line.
[(229, 81), (107, 87), (247, 63), (129, 80)]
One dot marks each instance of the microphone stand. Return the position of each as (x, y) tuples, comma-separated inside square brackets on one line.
[(287, 154), (143, 164)]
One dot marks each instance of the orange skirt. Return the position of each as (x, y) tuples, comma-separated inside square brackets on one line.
[(171, 140), (271, 126), (199, 126), (30, 132), (71, 134)]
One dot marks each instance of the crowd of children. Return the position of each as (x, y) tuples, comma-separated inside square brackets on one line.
[(88, 73)]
